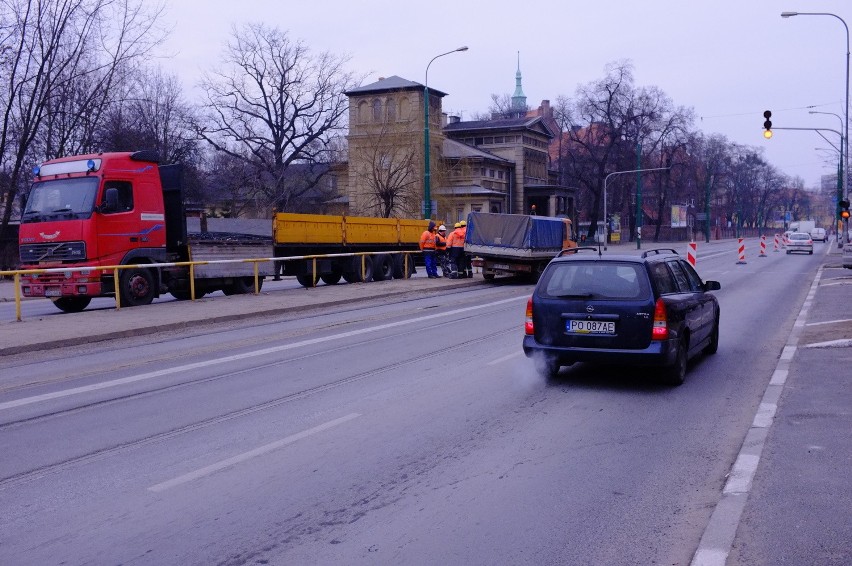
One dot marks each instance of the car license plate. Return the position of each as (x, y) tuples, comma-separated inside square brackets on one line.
[(52, 292), (589, 327)]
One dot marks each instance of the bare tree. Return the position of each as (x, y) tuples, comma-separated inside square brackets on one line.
[(390, 170), (275, 104), (58, 65)]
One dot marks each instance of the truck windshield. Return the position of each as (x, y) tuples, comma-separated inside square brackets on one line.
[(61, 199)]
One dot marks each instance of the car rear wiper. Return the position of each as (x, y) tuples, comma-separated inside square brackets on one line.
[(575, 296)]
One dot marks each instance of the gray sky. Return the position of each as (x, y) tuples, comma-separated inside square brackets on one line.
[(729, 60)]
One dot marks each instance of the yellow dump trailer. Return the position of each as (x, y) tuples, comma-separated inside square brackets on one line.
[(383, 242)]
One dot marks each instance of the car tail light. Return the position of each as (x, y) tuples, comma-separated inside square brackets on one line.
[(660, 330), (528, 324)]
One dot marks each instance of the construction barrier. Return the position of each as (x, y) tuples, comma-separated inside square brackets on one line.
[(691, 253), (777, 237), (741, 250), (762, 247)]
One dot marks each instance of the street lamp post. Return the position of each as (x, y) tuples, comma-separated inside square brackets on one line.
[(624, 173), (843, 147), (427, 174), (846, 107)]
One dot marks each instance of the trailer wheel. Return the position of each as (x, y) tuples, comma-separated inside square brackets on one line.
[(184, 295), (402, 268), (137, 287), (307, 279), (72, 304), (354, 274), (332, 278), (242, 286), (488, 275), (382, 267)]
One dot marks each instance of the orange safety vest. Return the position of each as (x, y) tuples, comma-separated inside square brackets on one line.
[(427, 240), (440, 242)]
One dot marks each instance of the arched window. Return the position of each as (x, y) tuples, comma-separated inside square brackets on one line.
[(405, 109), (363, 112), (377, 110), (391, 106)]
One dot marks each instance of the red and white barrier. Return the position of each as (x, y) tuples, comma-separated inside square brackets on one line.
[(777, 238), (692, 253), (762, 247), (741, 250)]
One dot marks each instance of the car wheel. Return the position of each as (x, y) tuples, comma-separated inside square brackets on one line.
[(713, 346), (675, 374)]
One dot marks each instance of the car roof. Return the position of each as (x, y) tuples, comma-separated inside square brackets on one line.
[(646, 256)]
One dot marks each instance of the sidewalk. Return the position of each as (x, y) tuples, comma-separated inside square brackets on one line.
[(69, 329)]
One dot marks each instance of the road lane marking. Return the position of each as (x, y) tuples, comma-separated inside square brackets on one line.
[(842, 320), (719, 533), (503, 359), (239, 458), (245, 355), (842, 343)]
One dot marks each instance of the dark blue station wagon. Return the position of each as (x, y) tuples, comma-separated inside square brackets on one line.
[(651, 309)]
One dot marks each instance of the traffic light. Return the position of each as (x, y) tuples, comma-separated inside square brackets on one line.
[(843, 205), (767, 125)]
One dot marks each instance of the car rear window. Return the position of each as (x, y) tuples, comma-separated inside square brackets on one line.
[(598, 280)]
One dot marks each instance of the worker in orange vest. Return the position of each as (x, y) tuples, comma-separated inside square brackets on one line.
[(441, 253), (428, 247), (456, 244)]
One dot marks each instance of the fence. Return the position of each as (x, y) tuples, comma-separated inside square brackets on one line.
[(16, 274)]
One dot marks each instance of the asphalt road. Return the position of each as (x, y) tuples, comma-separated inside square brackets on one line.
[(405, 431)]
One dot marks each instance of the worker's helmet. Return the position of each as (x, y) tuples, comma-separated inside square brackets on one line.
[(457, 225), (442, 228), (462, 224)]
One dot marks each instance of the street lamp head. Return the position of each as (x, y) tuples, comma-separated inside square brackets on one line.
[(789, 14), (462, 48)]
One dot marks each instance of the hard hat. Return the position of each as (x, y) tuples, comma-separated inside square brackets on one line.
[(442, 228), (462, 223), (457, 225)]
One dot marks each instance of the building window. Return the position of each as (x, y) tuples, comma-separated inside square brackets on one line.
[(363, 114), (377, 110), (391, 110)]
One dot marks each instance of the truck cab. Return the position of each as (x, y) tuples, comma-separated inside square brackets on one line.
[(91, 211)]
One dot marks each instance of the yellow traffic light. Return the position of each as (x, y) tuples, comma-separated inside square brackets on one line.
[(767, 134)]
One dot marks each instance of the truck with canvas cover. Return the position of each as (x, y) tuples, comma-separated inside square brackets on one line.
[(515, 244), (87, 213)]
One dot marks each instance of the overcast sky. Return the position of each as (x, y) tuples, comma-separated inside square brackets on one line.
[(728, 59)]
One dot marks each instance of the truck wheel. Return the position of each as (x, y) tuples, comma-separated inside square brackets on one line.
[(307, 280), (332, 278), (400, 270), (184, 295), (242, 286), (382, 267), (72, 304), (488, 275), (137, 287), (354, 275)]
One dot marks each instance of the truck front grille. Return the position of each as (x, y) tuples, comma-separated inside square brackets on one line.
[(66, 252)]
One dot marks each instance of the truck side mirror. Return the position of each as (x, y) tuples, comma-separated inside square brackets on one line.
[(110, 203)]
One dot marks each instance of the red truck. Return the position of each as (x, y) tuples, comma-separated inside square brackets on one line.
[(104, 209)]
